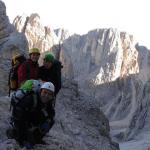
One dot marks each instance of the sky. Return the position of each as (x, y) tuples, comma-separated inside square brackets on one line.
[(81, 16)]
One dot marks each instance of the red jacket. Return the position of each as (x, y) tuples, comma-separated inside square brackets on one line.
[(27, 70)]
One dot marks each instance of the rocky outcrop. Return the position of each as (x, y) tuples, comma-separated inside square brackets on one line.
[(140, 105), (83, 115), (79, 124), (11, 42), (5, 27), (126, 100), (62, 34), (38, 35), (110, 67), (102, 55)]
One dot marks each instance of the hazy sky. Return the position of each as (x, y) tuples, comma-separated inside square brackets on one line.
[(80, 16)]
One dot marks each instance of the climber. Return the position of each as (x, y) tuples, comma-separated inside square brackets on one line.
[(51, 71), (33, 115), (29, 69), (16, 61)]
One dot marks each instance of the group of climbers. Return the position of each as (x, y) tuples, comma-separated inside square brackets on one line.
[(34, 98), (29, 69)]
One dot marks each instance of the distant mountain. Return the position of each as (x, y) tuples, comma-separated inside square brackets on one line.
[(62, 34), (42, 37), (102, 55), (111, 67)]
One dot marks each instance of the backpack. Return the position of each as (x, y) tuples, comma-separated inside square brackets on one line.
[(58, 66), (17, 96), (21, 94), (30, 87), (13, 77)]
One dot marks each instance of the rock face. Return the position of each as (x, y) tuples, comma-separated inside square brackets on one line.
[(125, 101), (5, 27), (110, 66), (62, 34), (82, 121), (38, 35), (140, 96), (11, 42), (103, 55)]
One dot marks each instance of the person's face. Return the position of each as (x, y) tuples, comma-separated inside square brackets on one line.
[(47, 64), (34, 57), (46, 95)]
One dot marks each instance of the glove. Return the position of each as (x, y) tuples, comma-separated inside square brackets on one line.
[(28, 145), (45, 127)]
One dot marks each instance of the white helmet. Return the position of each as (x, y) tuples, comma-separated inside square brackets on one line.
[(48, 86)]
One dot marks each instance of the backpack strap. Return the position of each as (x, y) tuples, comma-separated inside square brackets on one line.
[(27, 71), (35, 97)]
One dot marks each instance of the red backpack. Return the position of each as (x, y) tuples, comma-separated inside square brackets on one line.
[(13, 75)]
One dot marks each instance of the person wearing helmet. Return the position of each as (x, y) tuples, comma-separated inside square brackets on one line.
[(30, 68), (33, 115), (51, 71), (17, 60)]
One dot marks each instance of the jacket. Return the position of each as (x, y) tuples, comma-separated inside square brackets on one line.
[(53, 75), (27, 70), (29, 114)]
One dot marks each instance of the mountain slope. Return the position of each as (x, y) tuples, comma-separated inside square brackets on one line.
[(79, 125)]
